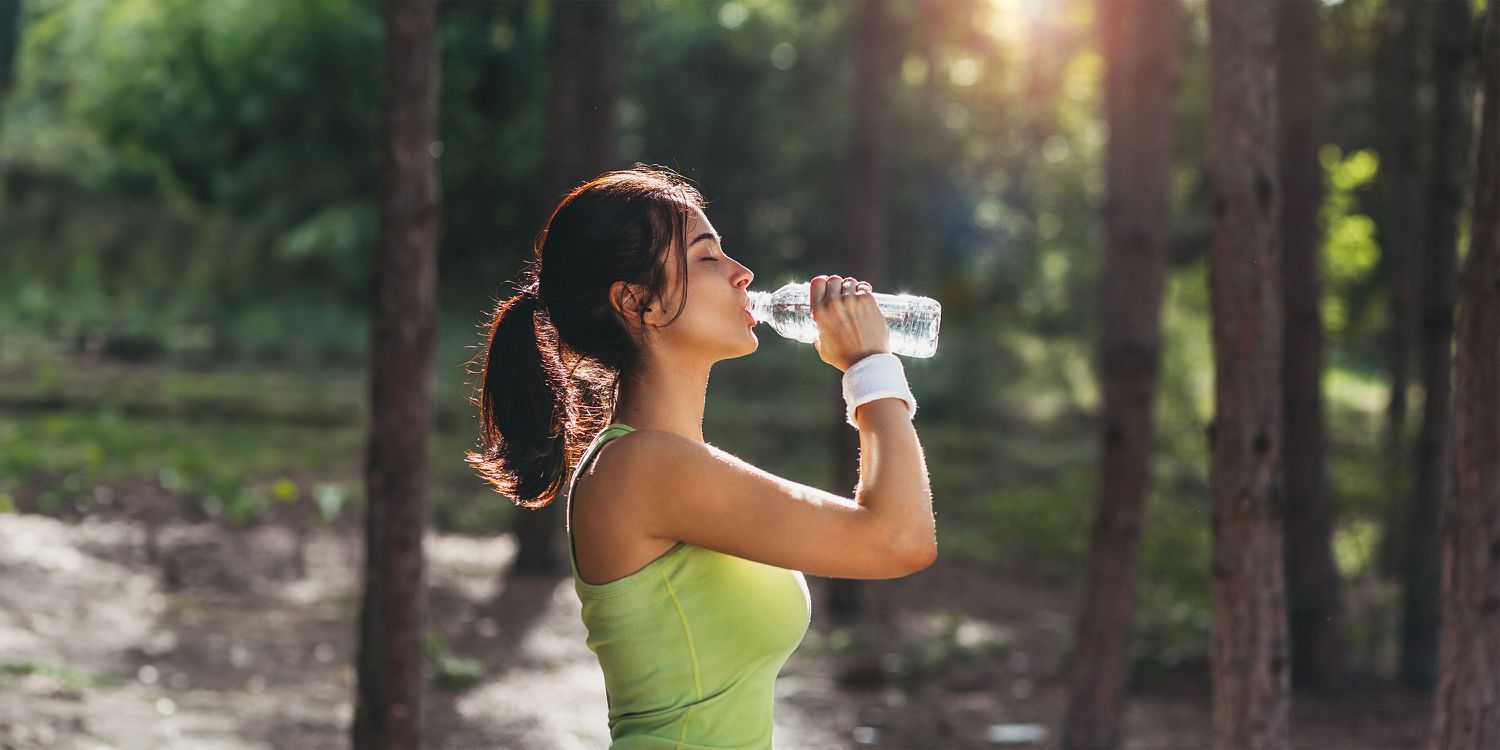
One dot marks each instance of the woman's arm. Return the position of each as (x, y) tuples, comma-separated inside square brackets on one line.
[(674, 488), (893, 475)]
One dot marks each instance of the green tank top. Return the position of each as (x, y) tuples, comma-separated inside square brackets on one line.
[(691, 643)]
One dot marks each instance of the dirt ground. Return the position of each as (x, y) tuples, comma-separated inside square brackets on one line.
[(120, 632)]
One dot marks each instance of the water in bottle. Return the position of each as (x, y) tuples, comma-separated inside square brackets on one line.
[(913, 320)]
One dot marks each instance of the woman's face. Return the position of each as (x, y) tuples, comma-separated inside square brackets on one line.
[(715, 323)]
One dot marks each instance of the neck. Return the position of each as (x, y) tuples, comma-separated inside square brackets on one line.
[(668, 395)]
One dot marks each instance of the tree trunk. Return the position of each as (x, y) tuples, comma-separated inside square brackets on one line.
[(1251, 682), (1467, 700), (580, 146), (1400, 226), (585, 87), (864, 246), (1421, 569), (1140, 42), (1314, 596), (392, 614)]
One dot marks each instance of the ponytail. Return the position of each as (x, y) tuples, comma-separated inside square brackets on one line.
[(525, 406)]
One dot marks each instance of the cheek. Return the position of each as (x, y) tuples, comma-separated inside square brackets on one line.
[(706, 313)]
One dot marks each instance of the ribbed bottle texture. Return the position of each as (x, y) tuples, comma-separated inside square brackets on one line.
[(913, 320)]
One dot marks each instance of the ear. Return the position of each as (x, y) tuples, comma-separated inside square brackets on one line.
[(629, 302)]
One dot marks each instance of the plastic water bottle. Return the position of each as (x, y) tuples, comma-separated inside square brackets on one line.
[(913, 320)]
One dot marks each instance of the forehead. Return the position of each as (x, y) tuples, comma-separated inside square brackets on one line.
[(697, 223)]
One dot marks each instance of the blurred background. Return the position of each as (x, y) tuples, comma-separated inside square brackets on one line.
[(187, 230)]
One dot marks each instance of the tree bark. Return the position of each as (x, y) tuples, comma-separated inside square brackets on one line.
[(1421, 569), (580, 146), (1467, 700), (1314, 595), (1140, 42), (403, 332), (863, 250), (1400, 226), (1251, 682)]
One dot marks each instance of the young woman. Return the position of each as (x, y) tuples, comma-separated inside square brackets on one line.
[(688, 561)]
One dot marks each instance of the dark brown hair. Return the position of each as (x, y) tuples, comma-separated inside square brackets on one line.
[(556, 352)]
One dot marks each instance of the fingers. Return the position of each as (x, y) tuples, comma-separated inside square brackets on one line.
[(826, 288), (817, 290)]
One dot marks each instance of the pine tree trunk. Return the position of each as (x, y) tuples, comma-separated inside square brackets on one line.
[(388, 714), (1140, 41), (864, 247), (1314, 596), (1251, 683), (1466, 704), (1421, 570), (580, 146), (1400, 227)]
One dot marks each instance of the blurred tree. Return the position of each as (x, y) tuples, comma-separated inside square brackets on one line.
[(10, 34), (582, 97), (862, 245), (1314, 596), (393, 611), (492, 122), (1467, 700), (580, 145), (1399, 107), (1251, 682), (1450, 25), (1140, 42)]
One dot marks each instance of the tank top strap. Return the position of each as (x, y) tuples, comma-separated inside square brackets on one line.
[(614, 430)]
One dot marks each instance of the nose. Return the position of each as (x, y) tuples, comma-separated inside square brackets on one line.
[(744, 277)]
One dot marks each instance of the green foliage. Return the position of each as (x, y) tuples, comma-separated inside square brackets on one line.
[(1045, 525), (186, 132), (229, 472), (1350, 251), (1170, 630), (256, 114)]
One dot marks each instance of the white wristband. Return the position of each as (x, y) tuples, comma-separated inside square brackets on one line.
[(875, 377)]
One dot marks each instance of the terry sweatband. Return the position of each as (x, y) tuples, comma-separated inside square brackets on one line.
[(875, 377)]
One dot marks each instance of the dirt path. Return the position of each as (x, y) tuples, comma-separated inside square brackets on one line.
[(213, 638)]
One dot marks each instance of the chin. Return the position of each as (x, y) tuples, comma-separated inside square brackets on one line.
[(747, 347)]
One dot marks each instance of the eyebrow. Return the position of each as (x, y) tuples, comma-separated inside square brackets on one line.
[(704, 236)]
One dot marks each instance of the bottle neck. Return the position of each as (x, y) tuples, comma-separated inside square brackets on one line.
[(760, 306)]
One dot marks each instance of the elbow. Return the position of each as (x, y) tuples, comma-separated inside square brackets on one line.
[(922, 558), (910, 541), (917, 551)]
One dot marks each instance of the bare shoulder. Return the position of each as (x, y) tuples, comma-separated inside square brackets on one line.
[(651, 460), (629, 476)]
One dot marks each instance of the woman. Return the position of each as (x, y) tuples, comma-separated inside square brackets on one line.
[(688, 561)]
